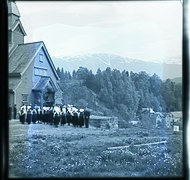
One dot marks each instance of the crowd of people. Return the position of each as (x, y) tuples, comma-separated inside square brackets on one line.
[(55, 115)]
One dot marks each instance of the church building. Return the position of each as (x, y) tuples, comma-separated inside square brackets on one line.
[(32, 77)]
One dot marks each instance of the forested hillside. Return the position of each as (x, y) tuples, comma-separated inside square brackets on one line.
[(120, 93)]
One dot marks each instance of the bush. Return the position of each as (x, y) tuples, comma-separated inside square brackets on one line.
[(123, 124), (116, 157), (142, 134), (107, 126)]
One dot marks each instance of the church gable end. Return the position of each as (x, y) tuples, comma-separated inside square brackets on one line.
[(43, 65), (19, 30)]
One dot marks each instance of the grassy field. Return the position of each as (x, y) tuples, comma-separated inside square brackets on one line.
[(42, 150)]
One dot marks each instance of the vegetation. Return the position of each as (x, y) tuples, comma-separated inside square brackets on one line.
[(123, 93), (41, 150)]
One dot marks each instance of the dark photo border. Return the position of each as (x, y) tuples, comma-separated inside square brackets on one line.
[(4, 87)]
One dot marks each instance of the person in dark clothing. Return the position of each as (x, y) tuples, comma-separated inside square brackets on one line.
[(75, 119), (41, 115), (22, 115), (19, 113), (63, 118), (22, 118), (10, 112), (61, 108), (50, 117), (69, 117), (56, 119), (81, 119), (86, 118), (34, 116), (45, 116), (15, 111), (29, 116)]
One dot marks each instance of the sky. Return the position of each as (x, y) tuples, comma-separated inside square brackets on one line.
[(146, 30)]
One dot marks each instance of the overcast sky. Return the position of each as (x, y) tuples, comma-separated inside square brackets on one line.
[(146, 30)]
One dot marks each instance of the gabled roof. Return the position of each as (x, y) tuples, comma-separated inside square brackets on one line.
[(43, 83), (177, 114), (15, 25), (23, 56), (147, 109), (159, 114)]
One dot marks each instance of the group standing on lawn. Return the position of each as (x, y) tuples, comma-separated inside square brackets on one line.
[(56, 115)]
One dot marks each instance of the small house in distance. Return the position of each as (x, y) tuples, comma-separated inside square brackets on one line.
[(174, 118), (160, 121), (151, 119), (104, 122), (147, 118)]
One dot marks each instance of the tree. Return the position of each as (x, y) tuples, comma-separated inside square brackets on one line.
[(58, 72), (167, 91), (155, 84), (99, 80), (82, 73), (178, 96), (103, 95), (74, 74)]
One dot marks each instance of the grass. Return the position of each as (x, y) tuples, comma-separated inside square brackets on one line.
[(79, 152)]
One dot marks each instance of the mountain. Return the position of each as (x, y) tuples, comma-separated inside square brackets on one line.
[(102, 61), (177, 80)]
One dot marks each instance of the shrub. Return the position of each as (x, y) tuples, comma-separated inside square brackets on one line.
[(107, 126), (145, 134), (123, 124)]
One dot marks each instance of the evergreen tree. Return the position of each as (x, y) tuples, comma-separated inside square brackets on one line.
[(178, 96), (155, 85), (167, 91), (58, 72), (74, 74)]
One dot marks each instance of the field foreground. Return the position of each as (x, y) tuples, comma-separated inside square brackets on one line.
[(42, 150)]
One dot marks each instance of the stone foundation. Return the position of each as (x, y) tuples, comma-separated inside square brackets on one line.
[(104, 122)]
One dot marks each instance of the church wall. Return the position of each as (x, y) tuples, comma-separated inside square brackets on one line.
[(28, 81), (45, 64), (37, 63), (13, 94), (58, 95), (25, 86), (18, 98), (11, 19), (18, 38)]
